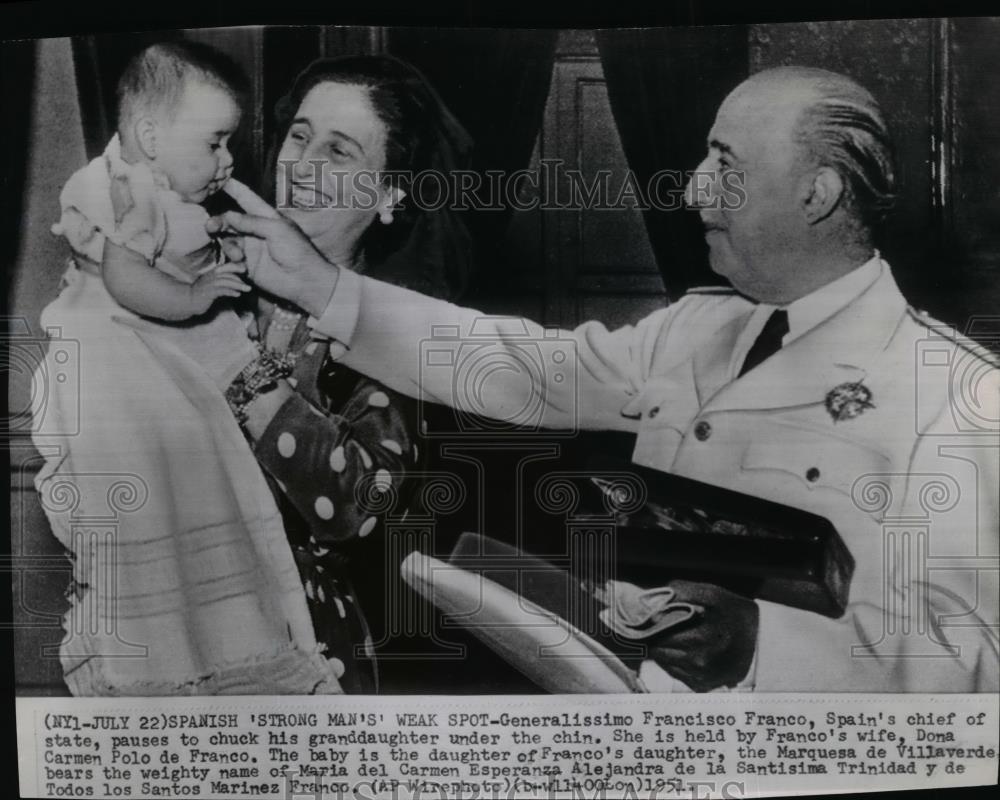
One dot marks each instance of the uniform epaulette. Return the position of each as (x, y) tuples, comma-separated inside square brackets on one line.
[(960, 340), (711, 290)]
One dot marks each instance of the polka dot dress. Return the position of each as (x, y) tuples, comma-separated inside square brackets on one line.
[(341, 436)]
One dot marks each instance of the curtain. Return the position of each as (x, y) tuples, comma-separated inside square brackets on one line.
[(17, 67), (44, 145), (99, 61), (496, 82), (665, 85)]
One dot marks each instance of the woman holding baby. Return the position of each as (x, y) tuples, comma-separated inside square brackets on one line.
[(187, 388), (343, 121)]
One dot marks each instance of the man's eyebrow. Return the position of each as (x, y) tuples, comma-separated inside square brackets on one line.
[(715, 144)]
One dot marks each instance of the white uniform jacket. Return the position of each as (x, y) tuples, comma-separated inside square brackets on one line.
[(911, 482)]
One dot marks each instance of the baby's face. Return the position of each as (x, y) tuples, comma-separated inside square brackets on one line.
[(192, 146)]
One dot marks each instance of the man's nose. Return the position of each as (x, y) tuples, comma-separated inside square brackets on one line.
[(700, 186)]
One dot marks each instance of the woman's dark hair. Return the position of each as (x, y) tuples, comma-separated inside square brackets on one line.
[(426, 250)]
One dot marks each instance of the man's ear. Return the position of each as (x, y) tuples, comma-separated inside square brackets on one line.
[(822, 194), (145, 136)]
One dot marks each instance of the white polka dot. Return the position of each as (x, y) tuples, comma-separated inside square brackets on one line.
[(340, 608), (365, 458), (309, 590), (338, 667), (389, 444), (366, 526), (323, 507), (378, 399), (286, 445), (310, 348), (320, 593), (383, 481), (337, 460)]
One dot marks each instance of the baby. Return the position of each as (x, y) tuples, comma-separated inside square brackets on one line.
[(205, 583), (132, 215)]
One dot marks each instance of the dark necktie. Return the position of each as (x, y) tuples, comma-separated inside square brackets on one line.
[(768, 342)]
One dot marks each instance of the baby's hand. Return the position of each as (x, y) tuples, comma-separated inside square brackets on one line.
[(218, 281)]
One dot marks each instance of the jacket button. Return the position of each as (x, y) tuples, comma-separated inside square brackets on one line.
[(654, 411), (812, 474), (702, 431)]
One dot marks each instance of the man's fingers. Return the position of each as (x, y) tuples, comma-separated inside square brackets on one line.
[(238, 268), (225, 268), (669, 656), (695, 593), (678, 664), (232, 249), (235, 222), (683, 638)]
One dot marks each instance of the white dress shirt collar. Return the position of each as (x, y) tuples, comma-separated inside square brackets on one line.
[(807, 312)]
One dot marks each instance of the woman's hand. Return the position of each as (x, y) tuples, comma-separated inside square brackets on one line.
[(291, 268)]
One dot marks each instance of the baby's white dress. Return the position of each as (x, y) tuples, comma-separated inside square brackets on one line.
[(184, 582)]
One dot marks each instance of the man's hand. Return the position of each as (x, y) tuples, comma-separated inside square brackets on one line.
[(716, 649), (292, 268)]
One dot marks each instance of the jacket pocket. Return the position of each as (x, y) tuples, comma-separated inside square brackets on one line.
[(816, 461)]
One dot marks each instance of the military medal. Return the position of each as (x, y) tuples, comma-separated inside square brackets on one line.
[(848, 400)]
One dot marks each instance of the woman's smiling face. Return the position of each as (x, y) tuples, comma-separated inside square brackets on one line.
[(328, 163)]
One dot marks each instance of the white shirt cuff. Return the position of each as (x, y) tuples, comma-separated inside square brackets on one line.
[(749, 683), (340, 318)]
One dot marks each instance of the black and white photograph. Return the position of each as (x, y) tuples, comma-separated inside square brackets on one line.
[(479, 362)]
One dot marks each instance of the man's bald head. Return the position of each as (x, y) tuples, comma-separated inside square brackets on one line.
[(840, 126), (813, 155)]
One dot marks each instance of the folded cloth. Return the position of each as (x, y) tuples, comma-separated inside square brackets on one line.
[(636, 613)]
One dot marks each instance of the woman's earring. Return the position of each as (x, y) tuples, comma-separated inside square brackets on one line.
[(385, 216)]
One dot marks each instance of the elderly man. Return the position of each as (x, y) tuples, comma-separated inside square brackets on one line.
[(810, 382)]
